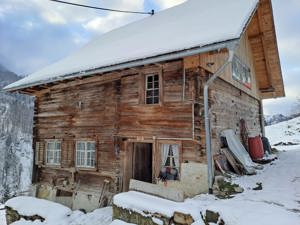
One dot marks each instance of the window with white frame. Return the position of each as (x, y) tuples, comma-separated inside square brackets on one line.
[(85, 154), (152, 89), (241, 72), (169, 162), (53, 151)]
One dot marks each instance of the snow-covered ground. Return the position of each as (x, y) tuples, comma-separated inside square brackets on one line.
[(278, 203), (285, 132), (56, 214)]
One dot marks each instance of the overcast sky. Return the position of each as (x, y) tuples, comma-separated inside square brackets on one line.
[(35, 33)]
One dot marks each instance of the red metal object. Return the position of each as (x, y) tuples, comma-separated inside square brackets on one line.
[(256, 148)]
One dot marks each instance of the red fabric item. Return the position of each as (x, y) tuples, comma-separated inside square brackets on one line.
[(256, 148)]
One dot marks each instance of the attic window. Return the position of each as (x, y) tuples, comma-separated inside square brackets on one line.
[(241, 72), (152, 89)]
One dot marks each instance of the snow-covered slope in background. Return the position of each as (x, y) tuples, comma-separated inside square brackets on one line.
[(16, 115), (284, 133)]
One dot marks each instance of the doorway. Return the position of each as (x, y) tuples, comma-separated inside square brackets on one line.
[(142, 162)]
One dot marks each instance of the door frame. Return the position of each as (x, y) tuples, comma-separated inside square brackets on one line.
[(128, 160)]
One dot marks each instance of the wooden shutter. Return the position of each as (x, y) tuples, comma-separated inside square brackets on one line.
[(39, 152)]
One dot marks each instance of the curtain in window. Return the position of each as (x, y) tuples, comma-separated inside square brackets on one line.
[(165, 154), (176, 154)]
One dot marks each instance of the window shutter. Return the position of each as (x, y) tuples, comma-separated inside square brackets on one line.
[(39, 152)]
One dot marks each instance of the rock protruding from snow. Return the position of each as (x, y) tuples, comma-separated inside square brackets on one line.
[(29, 206)]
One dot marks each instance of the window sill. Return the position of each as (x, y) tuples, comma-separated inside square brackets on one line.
[(53, 166), (153, 105), (86, 169)]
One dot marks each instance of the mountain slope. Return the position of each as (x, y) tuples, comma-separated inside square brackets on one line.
[(16, 116), (7, 77), (284, 133)]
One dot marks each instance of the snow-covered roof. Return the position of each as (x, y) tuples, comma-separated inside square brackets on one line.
[(193, 24)]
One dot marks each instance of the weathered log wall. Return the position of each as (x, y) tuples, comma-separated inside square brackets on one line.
[(228, 106), (110, 111)]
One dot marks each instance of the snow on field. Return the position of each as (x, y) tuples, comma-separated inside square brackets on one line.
[(287, 131)]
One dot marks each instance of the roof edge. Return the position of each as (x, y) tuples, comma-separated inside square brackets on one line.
[(129, 64)]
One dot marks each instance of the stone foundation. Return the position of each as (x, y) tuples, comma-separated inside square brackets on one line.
[(13, 216), (147, 218)]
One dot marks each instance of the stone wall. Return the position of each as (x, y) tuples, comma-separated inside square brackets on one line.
[(228, 106), (13, 216), (147, 218)]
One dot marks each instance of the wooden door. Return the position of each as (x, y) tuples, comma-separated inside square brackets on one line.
[(142, 162)]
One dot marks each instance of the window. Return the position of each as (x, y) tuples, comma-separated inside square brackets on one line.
[(152, 89), (169, 162), (53, 152), (241, 72), (85, 154)]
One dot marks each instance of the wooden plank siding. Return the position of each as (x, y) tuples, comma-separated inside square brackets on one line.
[(111, 112)]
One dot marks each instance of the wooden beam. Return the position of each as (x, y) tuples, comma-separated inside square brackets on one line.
[(262, 38)]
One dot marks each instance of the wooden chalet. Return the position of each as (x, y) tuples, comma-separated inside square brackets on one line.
[(130, 104)]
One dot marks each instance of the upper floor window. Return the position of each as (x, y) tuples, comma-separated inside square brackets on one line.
[(152, 89), (241, 72), (53, 152), (85, 154)]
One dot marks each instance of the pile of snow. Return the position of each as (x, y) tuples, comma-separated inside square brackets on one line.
[(140, 202), (54, 213), (285, 133), (29, 206)]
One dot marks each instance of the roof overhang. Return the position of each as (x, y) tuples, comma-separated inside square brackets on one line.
[(263, 41), (130, 64)]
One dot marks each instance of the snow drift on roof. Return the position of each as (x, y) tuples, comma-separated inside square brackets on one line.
[(195, 23)]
